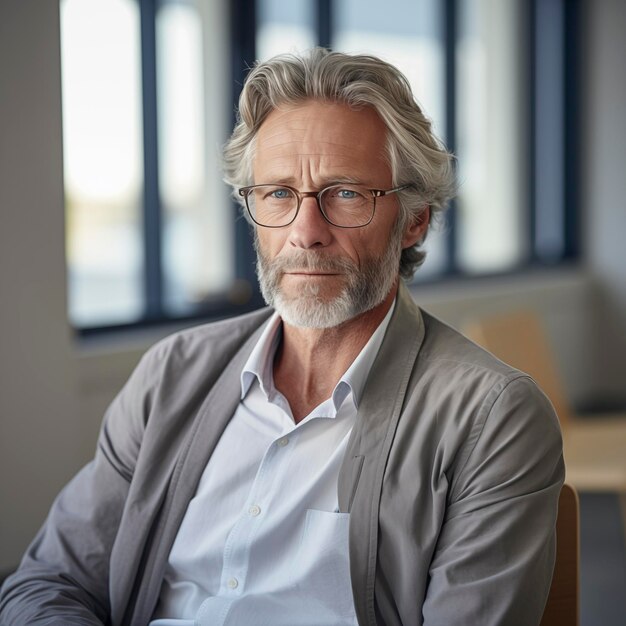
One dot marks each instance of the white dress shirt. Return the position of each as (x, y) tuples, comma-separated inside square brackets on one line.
[(262, 542)]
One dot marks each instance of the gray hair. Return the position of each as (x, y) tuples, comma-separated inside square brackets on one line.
[(415, 155)]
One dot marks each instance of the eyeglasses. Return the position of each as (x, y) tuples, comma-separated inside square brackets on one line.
[(346, 206)]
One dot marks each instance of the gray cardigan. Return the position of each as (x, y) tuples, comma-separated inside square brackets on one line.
[(451, 478)]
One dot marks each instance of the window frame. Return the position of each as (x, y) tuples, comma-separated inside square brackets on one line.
[(242, 35)]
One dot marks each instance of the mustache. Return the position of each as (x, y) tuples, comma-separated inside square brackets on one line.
[(312, 262)]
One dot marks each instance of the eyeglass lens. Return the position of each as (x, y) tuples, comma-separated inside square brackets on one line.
[(342, 205)]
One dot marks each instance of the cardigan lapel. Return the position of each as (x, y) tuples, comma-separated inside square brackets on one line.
[(213, 417), (362, 471)]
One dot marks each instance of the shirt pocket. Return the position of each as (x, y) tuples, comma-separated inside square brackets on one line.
[(322, 566)]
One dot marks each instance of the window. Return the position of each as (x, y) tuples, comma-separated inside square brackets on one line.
[(284, 27), (148, 92), (193, 118), (102, 136), (492, 130), (147, 103)]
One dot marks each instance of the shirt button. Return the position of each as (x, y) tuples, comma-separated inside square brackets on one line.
[(254, 510), (233, 583), (283, 442)]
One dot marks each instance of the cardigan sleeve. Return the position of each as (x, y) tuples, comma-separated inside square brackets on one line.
[(63, 578), (495, 553)]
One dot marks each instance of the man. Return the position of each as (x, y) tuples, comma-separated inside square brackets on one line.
[(344, 459)]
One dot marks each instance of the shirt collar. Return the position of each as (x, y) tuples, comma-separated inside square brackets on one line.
[(356, 375), (261, 359)]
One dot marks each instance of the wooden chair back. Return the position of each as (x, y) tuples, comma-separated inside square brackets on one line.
[(562, 607)]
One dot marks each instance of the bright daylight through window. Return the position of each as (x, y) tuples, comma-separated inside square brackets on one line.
[(103, 155), (149, 87)]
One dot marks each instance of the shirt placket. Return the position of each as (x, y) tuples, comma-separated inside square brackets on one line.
[(236, 557)]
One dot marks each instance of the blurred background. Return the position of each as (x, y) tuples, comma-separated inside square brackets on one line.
[(116, 229)]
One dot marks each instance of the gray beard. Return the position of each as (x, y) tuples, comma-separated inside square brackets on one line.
[(363, 289)]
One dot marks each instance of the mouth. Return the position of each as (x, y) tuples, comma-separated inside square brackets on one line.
[(310, 274)]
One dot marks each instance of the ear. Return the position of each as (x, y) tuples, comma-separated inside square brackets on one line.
[(416, 229)]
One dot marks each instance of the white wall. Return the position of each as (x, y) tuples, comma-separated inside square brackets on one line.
[(53, 390), (40, 429)]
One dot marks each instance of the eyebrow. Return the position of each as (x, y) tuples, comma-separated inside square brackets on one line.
[(325, 182)]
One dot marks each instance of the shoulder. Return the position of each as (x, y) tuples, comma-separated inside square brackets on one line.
[(437, 354), (456, 388), (171, 381), (451, 361), (215, 340), (474, 401), (470, 422), (447, 348), (447, 382), (445, 372), (189, 362)]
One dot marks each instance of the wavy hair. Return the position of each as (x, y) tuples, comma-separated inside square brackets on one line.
[(414, 153)]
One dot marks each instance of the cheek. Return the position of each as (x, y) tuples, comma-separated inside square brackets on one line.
[(270, 241), (383, 227), (353, 246)]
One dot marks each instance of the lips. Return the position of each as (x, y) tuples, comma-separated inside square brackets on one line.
[(317, 264), (309, 273)]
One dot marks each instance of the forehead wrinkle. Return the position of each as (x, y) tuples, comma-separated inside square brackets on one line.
[(273, 135), (319, 144), (325, 181), (294, 162), (278, 166), (309, 132), (321, 155), (278, 141), (304, 122)]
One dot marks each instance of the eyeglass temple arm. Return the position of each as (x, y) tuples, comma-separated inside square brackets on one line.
[(377, 193)]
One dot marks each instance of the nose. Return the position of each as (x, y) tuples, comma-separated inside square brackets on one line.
[(310, 229)]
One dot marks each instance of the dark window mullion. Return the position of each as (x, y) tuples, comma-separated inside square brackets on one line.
[(153, 274), (325, 23), (549, 130), (450, 35), (532, 132), (572, 192), (243, 24)]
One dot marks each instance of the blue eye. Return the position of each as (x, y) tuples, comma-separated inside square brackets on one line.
[(347, 194), (280, 194)]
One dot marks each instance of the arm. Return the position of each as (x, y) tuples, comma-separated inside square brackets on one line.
[(64, 576), (495, 554)]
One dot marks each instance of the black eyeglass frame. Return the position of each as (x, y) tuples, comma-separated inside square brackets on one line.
[(244, 192)]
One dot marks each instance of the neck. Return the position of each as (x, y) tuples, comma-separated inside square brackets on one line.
[(310, 361)]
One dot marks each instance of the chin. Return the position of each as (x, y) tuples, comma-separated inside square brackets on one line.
[(315, 311)]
